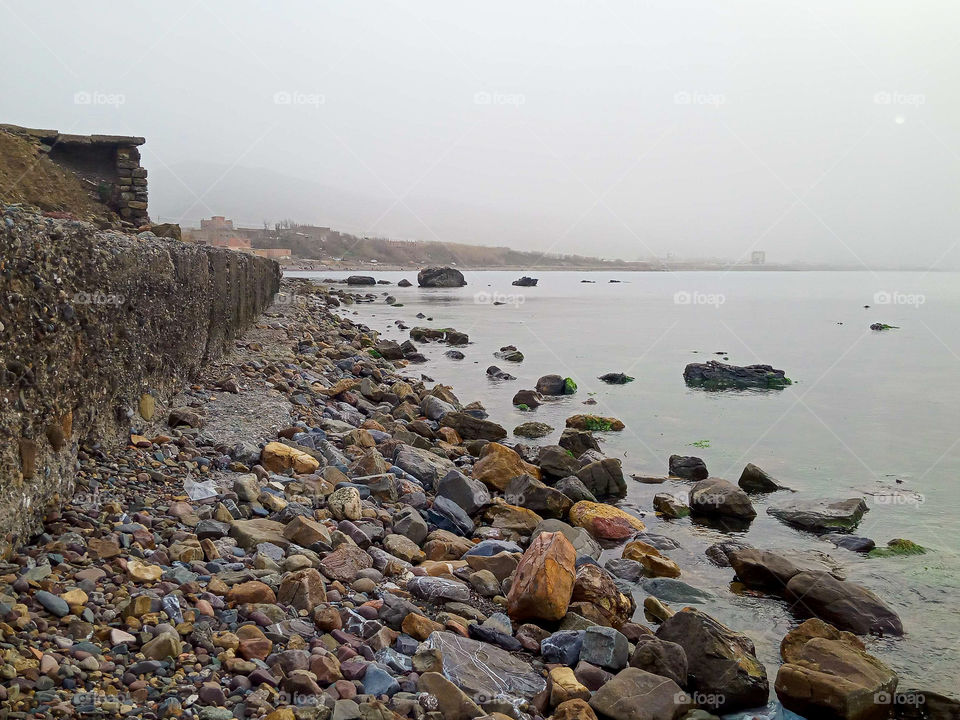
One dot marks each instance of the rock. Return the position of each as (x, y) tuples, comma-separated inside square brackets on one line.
[(305, 532), (278, 457), (361, 280), (252, 591), (687, 467), (672, 590), (557, 462), (634, 694), (543, 582), (404, 548), (574, 489), (447, 515), (185, 416), (655, 564), (377, 682), (60, 607), (603, 521), (452, 702), (720, 498), (755, 480), (424, 465), (437, 589), (409, 523), (472, 428), (532, 430), (344, 504), (851, 542), (821, 515), (719, 553), (846, 605), (345, 562), (898, 546), (669, 506), (614, 378), (715, 375), (596, 596), (605, 646), (603, 478), (594, 423), (565, 686), (404, 283), (251, 533), (528, 492), (510, 354), (440, 277), (498, 465), (471, 495), (143, 572), (165, 645), (721, 663), (550, 385), (573, 710), (660, 657), (419, 627), (518, 522), (525, 281), (762, 570), (828, 674), (483, 670), (303, 590), (578, 441), (529, 399), (582, 543), (562, 647)]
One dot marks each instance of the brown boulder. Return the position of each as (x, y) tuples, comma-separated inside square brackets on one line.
[(498, 465), (303, 589), (543, 583)]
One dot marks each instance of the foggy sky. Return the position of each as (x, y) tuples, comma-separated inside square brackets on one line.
[(816, 131)]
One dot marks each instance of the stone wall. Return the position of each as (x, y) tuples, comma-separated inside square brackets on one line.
[(108, 164), (90, 323)]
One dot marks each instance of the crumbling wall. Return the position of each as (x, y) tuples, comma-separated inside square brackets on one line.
[(91, 322)]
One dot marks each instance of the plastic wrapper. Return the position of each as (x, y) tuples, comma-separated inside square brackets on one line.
[(199, 490)]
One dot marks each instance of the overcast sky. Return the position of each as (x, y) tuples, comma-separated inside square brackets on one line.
[(816, 131)]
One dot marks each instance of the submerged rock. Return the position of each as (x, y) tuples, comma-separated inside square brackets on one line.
[(714, 375), (821, 515), (436, 277), (525, 281)]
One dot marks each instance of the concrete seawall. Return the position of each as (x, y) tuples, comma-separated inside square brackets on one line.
[(97, 331)]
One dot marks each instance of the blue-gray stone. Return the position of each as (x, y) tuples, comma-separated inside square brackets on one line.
[(377, 682), (54, 604), (562, 647), (606, 647)]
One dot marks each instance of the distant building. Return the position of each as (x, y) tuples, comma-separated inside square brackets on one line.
[(758, 257)]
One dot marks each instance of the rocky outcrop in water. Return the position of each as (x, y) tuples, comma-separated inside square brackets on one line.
[(714, 375), (440, 277)]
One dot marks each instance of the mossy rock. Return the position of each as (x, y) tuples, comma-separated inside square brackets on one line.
[(569, 386), (896, 547), (374, 353)]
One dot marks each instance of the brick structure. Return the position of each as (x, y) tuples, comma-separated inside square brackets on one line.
[(110, 164)]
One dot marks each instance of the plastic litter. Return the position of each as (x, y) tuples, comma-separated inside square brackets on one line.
[(199, 490)]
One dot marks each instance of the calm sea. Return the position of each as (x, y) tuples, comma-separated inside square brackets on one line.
[(872, 414)]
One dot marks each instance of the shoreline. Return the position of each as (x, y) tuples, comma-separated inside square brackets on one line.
[(353, 589)]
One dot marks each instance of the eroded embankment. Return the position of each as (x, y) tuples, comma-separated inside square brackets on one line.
[(96, 327)]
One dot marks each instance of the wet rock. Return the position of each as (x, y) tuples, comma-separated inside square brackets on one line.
[(655, 564), (821, 515), (440, 277), (562, 647), (605, 647), (846, 605), (578, 441), (603, 478), (722, 664), (755, 480), (581, 540), (851, 542), (603, 521), (660, 657), (670, 506), (528, 492), (532, 430), (719, 498), (472, 428), (498, 465), (828, 674), (687, 467), (596, 596), (715, 375), (52, 603)]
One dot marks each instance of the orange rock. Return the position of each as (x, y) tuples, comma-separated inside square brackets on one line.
[(498, 465), (303, 589), (653, 562), (543, 583), (253, 591), (419, 626), (605, 521), (450, 435), (278, 457), (596, 596)]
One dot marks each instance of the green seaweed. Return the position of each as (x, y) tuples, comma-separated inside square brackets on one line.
[(524, 407), (703, 444), (595, 423), (374, 353), (569, 386), (898, 547)]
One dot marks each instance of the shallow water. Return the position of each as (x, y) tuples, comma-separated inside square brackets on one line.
[(866, 409)]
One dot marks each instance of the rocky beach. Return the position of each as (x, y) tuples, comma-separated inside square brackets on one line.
[(312, 528)]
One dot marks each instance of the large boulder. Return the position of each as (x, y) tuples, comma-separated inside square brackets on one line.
[(660, 657), (756, 480), (498, 465), (846, 605), (829, 674), (597, 598), (821, 515), (634, 694), (473, 428), (557, 462), (581, 540), (578, 441), (605, 522), (526, 491), (762, 569), (361, 280), (719, 498), (435, 277), (550, 385), (715, 375), (543, 582), (603, 478), (722, 664)]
